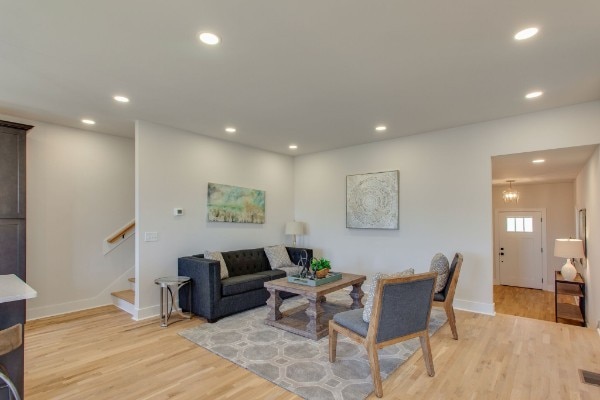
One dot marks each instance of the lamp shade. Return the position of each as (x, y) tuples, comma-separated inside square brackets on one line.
[(568, 248), (294, 228)]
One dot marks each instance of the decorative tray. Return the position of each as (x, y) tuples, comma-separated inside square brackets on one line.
[(331, 277)]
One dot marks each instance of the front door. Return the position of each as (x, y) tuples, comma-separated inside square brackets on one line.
[(520, 248)]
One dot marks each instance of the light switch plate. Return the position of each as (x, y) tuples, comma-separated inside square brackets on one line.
[(150, 236)]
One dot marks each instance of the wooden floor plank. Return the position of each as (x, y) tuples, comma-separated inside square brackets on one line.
[(524, 302), (103, 354)]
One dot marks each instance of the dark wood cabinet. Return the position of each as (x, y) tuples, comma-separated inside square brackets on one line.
[(12, 234), (12, 247)]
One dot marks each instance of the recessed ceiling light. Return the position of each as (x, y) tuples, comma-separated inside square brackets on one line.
[(121, 99), (533, 95), (293, 146), (230, 129), (209, 38), (88, 121), (526, 33), (539, 161), (380, 128)]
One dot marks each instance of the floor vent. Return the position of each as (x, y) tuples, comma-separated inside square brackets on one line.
[(591, 378)]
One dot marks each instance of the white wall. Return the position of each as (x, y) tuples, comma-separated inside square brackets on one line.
[(558, 200), (80, 188), (173, 168), (587, 188), (445, 194)]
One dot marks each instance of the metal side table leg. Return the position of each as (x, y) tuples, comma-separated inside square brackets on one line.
[(166, 293)]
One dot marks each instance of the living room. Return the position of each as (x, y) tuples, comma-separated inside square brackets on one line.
[(84, 184)]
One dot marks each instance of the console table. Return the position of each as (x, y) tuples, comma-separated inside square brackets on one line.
[(569, 299)]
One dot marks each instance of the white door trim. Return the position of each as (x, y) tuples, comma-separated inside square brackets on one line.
[(548, 283)]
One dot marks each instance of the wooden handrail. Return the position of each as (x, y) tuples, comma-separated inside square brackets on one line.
[(121, 232)]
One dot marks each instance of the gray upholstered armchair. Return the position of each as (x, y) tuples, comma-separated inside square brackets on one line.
[(401, 311)]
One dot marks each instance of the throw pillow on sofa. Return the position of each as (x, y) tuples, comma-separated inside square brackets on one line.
[(372, 288), (291, 269), (217, 256), (440, 264), (278, 256)]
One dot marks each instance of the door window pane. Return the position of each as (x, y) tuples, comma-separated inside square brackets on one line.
[(510, 224), (528, 224), (519, 224)]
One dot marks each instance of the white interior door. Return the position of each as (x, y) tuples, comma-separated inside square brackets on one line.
[(520, 249)]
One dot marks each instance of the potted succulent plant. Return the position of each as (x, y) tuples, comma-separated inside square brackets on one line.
[(320, 267)]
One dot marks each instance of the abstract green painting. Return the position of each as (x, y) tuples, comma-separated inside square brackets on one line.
[(235, 204)]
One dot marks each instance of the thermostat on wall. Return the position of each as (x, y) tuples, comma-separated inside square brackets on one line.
[(177, 211)]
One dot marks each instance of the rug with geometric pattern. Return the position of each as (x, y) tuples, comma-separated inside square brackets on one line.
[(298, 364)]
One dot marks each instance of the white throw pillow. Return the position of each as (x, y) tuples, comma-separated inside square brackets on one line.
[(373, 287), (291, 269), (440, 264), (278, 256), (217, 256)]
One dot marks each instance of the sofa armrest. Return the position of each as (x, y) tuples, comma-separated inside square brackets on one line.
[(205, 285), (296, 253)]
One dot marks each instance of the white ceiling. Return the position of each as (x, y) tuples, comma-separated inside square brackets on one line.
[(317, 73), (561, 165)]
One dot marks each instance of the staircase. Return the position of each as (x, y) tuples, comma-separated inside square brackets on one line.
[(125, 299)]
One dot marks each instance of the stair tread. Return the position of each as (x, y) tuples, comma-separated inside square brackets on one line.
[(127, 295)]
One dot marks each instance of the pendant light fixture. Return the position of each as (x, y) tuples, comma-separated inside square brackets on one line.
[(510, 195)]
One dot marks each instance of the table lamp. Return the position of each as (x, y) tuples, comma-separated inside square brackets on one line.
[(569, 249), (294, 228)]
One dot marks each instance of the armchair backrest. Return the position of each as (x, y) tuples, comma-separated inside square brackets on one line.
[(401, 306), (453, 276)]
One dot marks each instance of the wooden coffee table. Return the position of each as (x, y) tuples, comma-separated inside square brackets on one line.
[(311, 320)]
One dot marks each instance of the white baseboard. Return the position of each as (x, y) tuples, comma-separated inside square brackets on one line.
[(145, 313), (65, 308), (473, 306), (104, 298)]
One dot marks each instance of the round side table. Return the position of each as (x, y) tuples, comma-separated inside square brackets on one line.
[(167, 300)]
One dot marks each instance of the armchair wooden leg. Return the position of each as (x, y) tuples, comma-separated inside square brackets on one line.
[(427, 354), (451, 320), (332, 341), (375, 373)]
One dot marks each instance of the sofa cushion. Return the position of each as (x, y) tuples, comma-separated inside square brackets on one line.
[(272, 274), (217, 256), (439, 297), (440, 264), (372, 288), (243, 284), (278, 256), (244, 262)]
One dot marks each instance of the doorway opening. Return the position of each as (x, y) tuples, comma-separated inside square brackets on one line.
[(521, 286), (519, 237)]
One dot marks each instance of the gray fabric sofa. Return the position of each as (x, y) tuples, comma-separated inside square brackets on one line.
[(213, 298)]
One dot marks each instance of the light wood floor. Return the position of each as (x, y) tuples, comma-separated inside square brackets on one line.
[(103, 354), (523, 302)]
